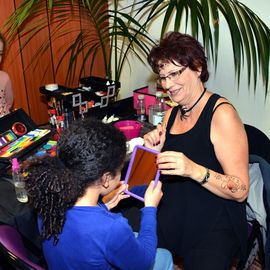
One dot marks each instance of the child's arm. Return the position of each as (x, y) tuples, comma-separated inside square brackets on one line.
[(125, 250)]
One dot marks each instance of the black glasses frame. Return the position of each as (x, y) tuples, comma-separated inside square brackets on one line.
[(172, 76)]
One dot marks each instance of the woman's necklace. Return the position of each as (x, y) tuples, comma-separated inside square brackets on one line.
[(184, 111)]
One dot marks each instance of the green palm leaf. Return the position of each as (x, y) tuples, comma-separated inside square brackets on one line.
[(124, 33), (122, 30), (249, 34)]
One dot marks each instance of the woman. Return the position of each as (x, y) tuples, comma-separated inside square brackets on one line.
[(6, 92), (204, 161), (78, 230)]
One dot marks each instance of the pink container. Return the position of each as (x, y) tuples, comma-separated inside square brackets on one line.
[(130, 128)]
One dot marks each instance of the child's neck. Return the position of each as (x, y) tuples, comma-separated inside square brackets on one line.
[(90, 198)]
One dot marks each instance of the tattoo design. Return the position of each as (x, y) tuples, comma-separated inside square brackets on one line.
[(230, 182)]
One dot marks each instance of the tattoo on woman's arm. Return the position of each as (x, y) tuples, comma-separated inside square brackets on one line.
[(231, 183)]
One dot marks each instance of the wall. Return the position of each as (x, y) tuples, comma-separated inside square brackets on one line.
[(27, 76), (253, 108)]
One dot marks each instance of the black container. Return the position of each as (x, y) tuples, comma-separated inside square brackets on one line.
[(98, 84)]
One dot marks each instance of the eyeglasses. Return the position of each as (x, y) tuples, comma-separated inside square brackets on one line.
[(173, 76)]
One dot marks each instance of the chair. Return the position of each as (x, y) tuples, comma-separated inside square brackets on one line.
[(259, 150), (13, 251), (255, 247), (258, 142)]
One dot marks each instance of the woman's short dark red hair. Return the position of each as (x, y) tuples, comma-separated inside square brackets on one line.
[(181, 49)]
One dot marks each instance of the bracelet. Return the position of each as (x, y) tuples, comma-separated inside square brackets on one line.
[(206, 177)]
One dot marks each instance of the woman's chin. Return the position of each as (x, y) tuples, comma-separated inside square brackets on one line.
[(176, 95), (176, 98)]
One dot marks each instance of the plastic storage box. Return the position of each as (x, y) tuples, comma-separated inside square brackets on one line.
[(149, 97)]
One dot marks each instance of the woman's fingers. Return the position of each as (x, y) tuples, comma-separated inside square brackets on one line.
[(155, 138), (171, 162)]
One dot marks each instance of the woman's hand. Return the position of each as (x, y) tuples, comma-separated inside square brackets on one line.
[(176, 163), (153, 194), (116, 196), (155, 138)]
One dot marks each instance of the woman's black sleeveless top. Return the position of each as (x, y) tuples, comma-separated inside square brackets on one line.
[(188, 211)]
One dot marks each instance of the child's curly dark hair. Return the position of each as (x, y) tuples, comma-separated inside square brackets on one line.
[(86, 151)]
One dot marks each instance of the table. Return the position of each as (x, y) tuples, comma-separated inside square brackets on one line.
[(19, 215)]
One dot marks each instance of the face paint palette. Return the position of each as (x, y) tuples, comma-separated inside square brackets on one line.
[(19, 137), (20, 145), (6, 138)]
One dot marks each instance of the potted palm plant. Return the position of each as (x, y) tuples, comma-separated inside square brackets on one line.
[(120, 29), (97, 31)]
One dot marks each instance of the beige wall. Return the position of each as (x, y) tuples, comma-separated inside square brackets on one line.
[(253, 108)]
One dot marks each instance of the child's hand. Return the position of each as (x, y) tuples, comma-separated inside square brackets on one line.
[(153, 194), (116, 196)]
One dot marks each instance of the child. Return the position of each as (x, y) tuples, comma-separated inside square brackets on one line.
[(6, 92), (78, 230)]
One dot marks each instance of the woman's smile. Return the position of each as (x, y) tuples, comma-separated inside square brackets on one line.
[(174, 92)]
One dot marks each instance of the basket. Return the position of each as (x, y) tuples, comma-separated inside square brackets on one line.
[(130, 128)]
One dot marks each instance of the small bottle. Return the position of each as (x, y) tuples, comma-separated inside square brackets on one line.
[(18, 182), (68, 117), (60, 123), (159, 109), (141, 108), (52, 117)]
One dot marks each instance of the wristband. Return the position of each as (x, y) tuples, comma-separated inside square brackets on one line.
[(206, 177)]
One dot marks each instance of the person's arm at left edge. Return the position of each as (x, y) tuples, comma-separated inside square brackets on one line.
[(8, 92)]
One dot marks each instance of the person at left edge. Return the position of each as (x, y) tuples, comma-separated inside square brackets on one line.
[(6, 91)]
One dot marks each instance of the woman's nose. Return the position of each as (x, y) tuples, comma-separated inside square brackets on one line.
[(168, 84)]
